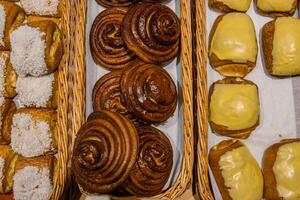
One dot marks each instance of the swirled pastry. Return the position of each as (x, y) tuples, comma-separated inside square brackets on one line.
[(8, 76), (107, 46), (11, 16), (149, 92), (276, 8), (281, 167), (33, 128), (152, 32), (154, 163), (234, 107), (116, 3), (36, 48), (42, 7), (7, 110), (104, 152)]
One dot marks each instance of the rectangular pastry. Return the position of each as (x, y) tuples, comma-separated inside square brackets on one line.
[(281, 168), (7, 110), (277, 8), (230, 5), (234, 107), (281, 46), (34, 128), (8, 76), (236, 172), (232, 45), (42, 7)]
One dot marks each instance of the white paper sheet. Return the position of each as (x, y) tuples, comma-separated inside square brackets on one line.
[(173, 128), (277, 118)]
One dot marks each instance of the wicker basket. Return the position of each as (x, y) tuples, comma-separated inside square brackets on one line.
[(184, 180)]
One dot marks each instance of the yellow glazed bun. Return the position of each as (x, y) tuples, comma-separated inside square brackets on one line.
[(230, 5)]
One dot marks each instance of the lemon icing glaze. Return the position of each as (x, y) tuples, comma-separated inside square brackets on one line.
[(275, 5), (241, 5)]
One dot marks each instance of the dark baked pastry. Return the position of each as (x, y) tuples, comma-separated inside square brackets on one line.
[(105, 151), (152, 32), (116, 3), (107, 46), (154, 163), (149, 92), (7, 110)]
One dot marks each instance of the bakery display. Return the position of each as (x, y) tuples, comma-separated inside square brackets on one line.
[(11, 16), (38, 92), (281, 168), (234, 107), (276, 8), (36, 48), (7, 110), (41, 7), (33, 128), (230, 5), (232, 45), (104, 152), (107, 46), (152, 32), (281, 46), (236, 172), (8, 76), (154, 163)]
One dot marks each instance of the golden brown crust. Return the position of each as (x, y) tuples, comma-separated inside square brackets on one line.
[(223, 66), (277, 13), (15, 16), (116, 3), (222, 130), (9, 157), (10, 78), (8, 109), (267, 44), (270, 186), (56, 20), (214, 156)]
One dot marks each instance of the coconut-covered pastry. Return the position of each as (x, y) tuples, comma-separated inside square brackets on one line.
[(230, 5), (33, 128), (281, 46), (7, 110), (50, 8), (277, 8), (234, 107), (36, 48), (236, 171), (38, 92), (8, 76), (11, 16), (281, 167), (232, 45)]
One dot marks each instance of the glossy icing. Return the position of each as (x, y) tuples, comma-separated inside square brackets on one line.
[(241, 5), (275, 5), (235, 39), (287, 171), (286, 46), (235, 106), (241, 174)]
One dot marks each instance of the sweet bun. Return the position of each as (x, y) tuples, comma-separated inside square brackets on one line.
[(116, 3), (7, 110), (230, 6), (7, 164), (232, 45), (276, 8), (8, 76), (51, 8), (226, 115)]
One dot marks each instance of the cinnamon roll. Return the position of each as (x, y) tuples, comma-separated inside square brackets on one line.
[(149, 92), (105, 151), (154, 163), (7, 110), (152, 32), (107, 46), (116, 3)]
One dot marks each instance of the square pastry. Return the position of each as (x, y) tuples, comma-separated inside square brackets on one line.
[(233, 45), (281, 46), (234, 107), (230, 5), (50, 8), (276, 8)]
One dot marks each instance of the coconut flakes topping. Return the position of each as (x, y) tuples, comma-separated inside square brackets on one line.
[(30, 137), (32, 183), (2, 24), (40, 7), (35, 91), (28, 51)]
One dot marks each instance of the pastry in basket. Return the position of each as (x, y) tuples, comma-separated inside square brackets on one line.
[(107, 46), (38, 92), (7, 162), (152, 32), (281, 167), (33, 178), (232, 46), (7, 110), (36, 48), (154, 163), (276, 8), (116, 3), (281, 46), (236, 171), (234, 107), (11, 16), (33, 128), (149, 92), (230, 5), (104, 152), (50, 8), (8, 76)]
